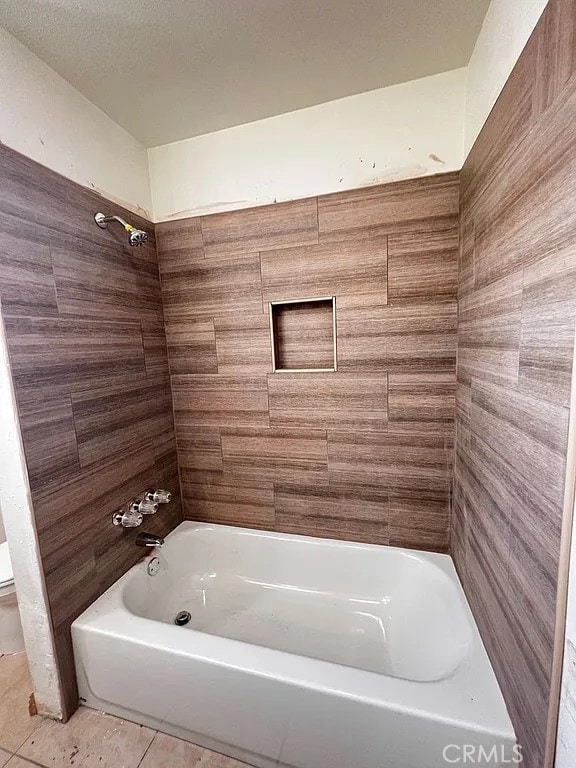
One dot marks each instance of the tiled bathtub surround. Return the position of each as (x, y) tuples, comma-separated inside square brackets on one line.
[(363, 453), (84, 326), (517, 309)]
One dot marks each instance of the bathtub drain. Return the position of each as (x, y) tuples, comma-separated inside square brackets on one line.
[(182, 618)]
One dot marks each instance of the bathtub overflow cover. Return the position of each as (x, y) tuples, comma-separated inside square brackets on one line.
[(153, 566), (182, 618)]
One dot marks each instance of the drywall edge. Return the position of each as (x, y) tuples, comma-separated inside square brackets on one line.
[(370, 138), (404, 131), (18, 518), (505, 31), (46, 119)]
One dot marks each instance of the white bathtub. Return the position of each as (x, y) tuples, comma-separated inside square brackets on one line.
[(300, 652)]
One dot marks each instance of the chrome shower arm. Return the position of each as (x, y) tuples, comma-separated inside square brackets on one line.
[(102, 220)]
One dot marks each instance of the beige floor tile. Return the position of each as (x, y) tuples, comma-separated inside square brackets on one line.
[(4, 757), (167, 751), (89, 740), (16, 725), (18, 762)]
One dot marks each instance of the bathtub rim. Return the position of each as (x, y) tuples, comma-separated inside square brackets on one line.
[(110, 616)]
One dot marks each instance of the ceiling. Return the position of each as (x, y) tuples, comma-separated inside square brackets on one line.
[(169, 69)]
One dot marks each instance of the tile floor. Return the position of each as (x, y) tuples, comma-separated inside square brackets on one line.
[(89, 740)]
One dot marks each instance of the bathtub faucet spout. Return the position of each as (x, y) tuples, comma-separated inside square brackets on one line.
[(148, 540)]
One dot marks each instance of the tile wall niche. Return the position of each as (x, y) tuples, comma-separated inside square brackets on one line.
[(84, 326), (517, 310), (362, 453)]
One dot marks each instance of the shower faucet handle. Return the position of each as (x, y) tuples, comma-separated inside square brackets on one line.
[(129, 519), (143, 506), (158, 497)]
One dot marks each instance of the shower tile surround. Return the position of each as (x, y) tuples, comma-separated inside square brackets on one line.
[(365, 453), (85, 331), (361, 453), (517, 313)]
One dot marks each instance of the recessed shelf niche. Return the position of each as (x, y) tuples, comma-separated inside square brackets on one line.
[(303, 335)]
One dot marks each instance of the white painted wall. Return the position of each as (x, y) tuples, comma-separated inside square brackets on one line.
[(566, 741), (45, 118), (505, 31), (16, 509), (378, 136), (403, 131), (566, 744)]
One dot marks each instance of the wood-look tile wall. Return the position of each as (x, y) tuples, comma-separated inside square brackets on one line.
[(517, 310), (84, 325), (363, 453)]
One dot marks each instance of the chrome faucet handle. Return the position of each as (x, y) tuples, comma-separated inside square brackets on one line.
[(129, 519), (159, 496), (144, 506)]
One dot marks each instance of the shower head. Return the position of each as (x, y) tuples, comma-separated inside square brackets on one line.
[(135, 236)]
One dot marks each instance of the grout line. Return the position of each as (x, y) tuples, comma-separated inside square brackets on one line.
[(147, 749), (217, 372), (30, 736), (27, 760), (143, 347), (202, 236), (261, 282), (49, 243), (387, 270), (76, 441), (219, 428)]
